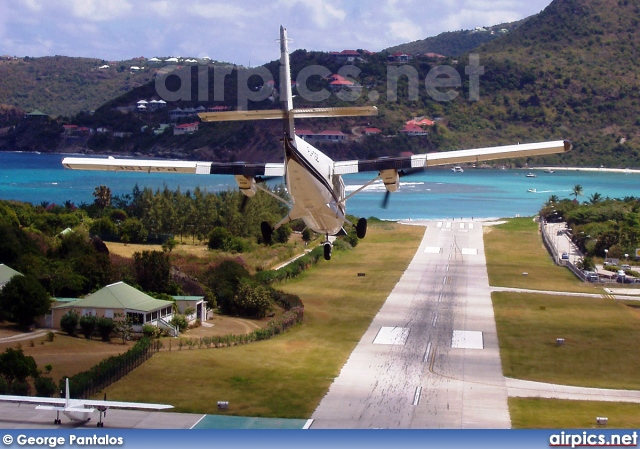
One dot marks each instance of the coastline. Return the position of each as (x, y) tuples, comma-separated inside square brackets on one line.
[(589, 169)]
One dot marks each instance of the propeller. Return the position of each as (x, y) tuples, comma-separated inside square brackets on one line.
[(401, 174), (258, 180)]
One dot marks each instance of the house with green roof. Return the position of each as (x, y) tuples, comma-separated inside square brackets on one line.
[(6, 273), (117, 300)]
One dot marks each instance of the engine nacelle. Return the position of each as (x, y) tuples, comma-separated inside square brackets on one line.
[(247, 184), (391, 179)]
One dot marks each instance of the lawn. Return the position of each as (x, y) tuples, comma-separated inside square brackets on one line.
[(538, 413), (288, 375), (516, 247), (600, 338)]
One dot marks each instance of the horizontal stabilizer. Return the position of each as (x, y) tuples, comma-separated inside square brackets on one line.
[(271, 114)]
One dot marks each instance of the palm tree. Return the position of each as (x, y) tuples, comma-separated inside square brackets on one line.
[(577, 191), (552, 199), (595, 198)]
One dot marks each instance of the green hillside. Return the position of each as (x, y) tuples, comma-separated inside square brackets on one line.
[(60, 85), (569, 72), (455, 43)]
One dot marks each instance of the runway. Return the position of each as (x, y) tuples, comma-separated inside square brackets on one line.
[(430, 357)]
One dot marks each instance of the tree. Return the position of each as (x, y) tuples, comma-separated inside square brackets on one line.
[(123, 326), (69, 322), (252, 301), (103, 197), (132, 230), (595, 198), (23, 299), (15, 366), (577, 191), (153, 270), (45, 386)]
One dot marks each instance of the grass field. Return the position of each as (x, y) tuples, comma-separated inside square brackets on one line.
[(537, 413), (286, 376), (600, 338), (516, 247)]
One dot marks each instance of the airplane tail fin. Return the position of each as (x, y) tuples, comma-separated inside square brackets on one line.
[(67, 394), (285, 71), (287, 113)]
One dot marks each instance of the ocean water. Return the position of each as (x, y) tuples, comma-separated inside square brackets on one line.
[(435, 193)]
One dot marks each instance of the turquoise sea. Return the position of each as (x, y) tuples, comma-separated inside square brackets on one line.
[(436, 193)]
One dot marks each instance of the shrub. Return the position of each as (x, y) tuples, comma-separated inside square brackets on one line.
[(45, 386), (69, 322), (88, 325), (180, 322), (105, 328), (149, 331)]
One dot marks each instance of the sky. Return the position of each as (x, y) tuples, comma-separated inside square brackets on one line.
[(241, 31)]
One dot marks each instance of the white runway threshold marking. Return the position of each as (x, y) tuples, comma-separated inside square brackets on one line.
[(467, 340), (469, 251), (391, 336), (432, 250)]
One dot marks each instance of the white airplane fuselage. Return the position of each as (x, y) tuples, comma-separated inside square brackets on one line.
[(315, 192)]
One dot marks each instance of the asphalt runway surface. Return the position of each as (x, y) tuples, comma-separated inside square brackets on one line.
[(430, 358)]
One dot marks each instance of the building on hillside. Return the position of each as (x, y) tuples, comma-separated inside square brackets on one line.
[(185, 128), (346, 56), (413, 130), (372, 131), (338, 82), (116, 301), (6, 273), (399, 57), (195, 306)]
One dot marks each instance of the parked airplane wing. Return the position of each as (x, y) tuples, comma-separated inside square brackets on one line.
[(120, 404), (55, 402), (162, 166), (452, 157)]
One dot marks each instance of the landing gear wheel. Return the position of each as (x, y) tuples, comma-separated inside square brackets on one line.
[(327, 251), (57, 421), (361, 228), (267, 232), (100, 424)]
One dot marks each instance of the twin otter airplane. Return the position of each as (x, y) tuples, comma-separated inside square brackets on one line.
[(313, 180), (79, 410)]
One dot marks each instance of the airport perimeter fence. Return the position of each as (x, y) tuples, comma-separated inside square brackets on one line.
[(108, 371), (553, 251)]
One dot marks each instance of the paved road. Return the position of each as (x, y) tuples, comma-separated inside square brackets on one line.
[(430, 358)]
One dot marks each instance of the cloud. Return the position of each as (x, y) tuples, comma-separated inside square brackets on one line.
[(99, 10), (242, 31)]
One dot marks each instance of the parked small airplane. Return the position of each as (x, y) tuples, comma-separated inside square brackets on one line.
[(79, 409), (313, 180)]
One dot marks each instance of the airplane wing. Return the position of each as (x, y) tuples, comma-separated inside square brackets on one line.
[(120, 404), (164, 166), (340, 167), (56, 402), (452, 157)]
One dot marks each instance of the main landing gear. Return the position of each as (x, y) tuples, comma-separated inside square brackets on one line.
[(327, 249)]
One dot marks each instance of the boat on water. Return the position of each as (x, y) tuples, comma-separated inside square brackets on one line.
[(531, 175), (532, 191), (548, 170), (457, 169)]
